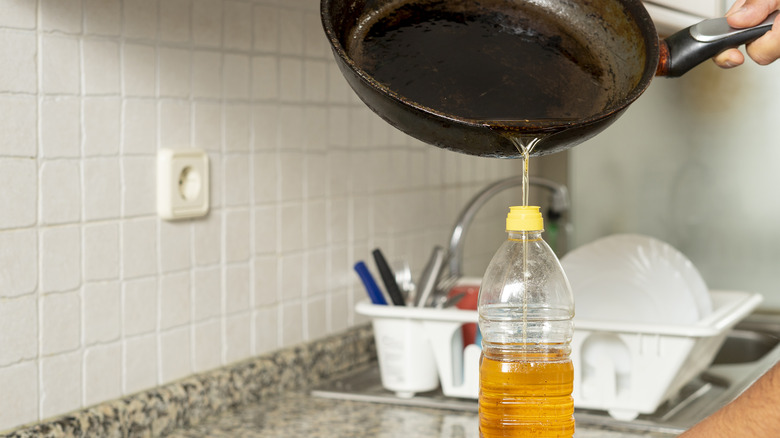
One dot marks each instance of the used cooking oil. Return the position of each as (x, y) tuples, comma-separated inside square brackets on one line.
[(526, 395), (525, 316)]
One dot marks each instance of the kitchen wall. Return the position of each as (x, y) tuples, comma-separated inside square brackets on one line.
[(694, 162), (98, 296)]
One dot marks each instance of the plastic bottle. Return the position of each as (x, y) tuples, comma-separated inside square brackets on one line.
[(525, 316)]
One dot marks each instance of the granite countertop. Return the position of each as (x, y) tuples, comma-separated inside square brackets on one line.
[(268, 396), (299, 414)]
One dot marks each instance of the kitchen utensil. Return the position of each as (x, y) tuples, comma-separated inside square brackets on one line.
[(374, 293), (441, 292), (474, 76), (445, 285), (426, 272), (451, 301), (403, 278), (431, 275), (388, 278)]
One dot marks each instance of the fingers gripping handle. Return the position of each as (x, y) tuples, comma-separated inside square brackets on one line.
[(690, 47)]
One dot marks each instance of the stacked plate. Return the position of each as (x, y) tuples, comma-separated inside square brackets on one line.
[(645, 323), (634, 278)]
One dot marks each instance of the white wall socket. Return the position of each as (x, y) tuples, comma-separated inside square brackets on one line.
[(182, 183)]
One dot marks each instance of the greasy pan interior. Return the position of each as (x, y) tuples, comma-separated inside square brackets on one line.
[(471, 75)]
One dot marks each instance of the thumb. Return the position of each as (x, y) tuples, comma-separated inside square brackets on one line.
[(751, 13)]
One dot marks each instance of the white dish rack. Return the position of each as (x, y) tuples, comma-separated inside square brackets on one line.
[(623, 368)]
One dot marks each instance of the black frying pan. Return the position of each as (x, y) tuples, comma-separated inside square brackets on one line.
[(472, 75)]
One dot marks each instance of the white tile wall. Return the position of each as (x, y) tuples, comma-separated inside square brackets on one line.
[(98, 297)]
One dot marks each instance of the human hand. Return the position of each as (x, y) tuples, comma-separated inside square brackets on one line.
[(746, 13)]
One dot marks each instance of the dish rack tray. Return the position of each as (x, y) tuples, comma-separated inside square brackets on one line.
[(620, 367)]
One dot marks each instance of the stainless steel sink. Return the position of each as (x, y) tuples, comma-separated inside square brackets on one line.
[(752, 347), (744, 346)]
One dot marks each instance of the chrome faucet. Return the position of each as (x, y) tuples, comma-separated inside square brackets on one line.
[(559, 204)]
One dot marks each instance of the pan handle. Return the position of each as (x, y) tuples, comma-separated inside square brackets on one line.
[(690, 47)]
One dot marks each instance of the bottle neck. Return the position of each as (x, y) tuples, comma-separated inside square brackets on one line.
[(525, 235)]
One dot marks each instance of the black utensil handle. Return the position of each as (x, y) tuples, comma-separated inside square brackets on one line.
[(694, 45), (388, 278)]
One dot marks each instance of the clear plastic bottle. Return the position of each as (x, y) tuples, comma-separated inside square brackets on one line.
[(525, 316)]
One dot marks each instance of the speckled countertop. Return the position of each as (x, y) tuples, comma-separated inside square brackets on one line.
[(268, 396), (296, 414)]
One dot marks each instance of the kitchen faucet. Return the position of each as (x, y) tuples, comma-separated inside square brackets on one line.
[(559, 204)]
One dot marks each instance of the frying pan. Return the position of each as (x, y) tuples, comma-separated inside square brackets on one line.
[(477, 76)]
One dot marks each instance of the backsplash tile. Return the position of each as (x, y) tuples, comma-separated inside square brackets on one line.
[(99, 297), (19, 404), (18, 259), (18, 115), (139, 248), (139, 63), (60, 323), (18, 329), (61, 69), (101, 126), (175, 307), (102, 373), (21, 174), (139, 363), (207, 284), (60, 127), (102, 197), (175, 21), (60, 383), (140, 18), (18, 54), (61, 16), (103, 17), (101, 310), (175, 357), (60, 259), (58, 177), (17, 15), (207, 23), (139, 307), (207, 343), (101, 66)]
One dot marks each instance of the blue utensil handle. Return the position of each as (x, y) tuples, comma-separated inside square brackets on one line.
[(374, 293)]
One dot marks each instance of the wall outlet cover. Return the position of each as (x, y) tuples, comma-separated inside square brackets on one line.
[(182, 183)]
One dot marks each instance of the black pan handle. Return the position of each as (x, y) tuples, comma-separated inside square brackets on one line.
[(690, 47)]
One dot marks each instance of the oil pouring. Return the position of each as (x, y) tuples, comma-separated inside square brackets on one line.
[(525, 308)]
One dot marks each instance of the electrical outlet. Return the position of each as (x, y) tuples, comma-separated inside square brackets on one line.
[(182, 183)]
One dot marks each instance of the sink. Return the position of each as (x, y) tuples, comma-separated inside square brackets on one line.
[(750, 349), (743, 346)]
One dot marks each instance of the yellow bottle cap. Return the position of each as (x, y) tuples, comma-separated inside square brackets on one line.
[(524, 218)]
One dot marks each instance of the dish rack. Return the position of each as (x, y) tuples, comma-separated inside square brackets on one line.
[(623, 368)]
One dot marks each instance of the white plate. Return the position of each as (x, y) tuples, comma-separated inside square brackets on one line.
[(634, 278)]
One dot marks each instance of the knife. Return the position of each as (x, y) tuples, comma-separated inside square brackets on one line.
[(388, 278), (431, 275)]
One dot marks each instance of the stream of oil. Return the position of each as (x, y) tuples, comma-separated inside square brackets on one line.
[(525, 146)]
